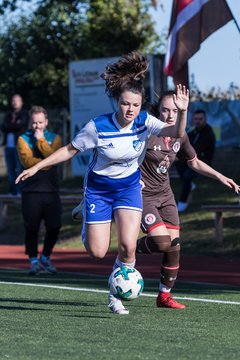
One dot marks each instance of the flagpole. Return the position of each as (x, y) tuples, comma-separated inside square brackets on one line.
[(238, 27), (234, 19)]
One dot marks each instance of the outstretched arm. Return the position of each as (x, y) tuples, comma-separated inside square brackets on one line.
[(181, 100), (61, 155), (206, 170)]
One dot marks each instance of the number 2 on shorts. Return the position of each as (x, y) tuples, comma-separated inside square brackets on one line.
[(92, 206)]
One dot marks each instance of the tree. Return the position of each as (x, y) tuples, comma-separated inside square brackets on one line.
[(37, 48)]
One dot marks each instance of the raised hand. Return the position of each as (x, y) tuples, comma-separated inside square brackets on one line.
[(181, 99)]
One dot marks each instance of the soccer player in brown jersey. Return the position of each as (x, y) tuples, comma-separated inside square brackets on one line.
[(160, 219)]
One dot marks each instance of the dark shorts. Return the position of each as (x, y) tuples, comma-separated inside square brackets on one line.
[(159, 210)]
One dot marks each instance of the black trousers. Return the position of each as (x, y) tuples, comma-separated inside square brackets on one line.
[(35, 208)]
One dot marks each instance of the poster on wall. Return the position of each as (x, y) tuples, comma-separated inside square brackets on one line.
[(87, 100)]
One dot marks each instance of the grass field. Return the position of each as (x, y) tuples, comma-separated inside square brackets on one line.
[(66, 317)]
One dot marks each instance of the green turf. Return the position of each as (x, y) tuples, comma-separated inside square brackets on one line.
[(46, 323)]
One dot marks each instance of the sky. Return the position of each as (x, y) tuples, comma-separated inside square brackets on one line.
[(217, 63)]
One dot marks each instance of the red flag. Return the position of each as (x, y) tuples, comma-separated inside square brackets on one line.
[(192, 21)]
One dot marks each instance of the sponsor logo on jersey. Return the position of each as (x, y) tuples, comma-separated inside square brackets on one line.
[(137, 144), (110, 146), (176, 146), (157, 147), (150, 219)]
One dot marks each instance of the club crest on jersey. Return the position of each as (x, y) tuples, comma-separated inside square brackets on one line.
[(150, 219), (176, 146), (137, 144), (162, 169)]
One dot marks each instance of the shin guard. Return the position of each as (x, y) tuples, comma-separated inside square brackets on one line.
[(170, 264)]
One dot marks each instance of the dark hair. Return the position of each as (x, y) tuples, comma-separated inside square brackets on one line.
[(154, 108), (200, 111), (127, 73), (38, 109)]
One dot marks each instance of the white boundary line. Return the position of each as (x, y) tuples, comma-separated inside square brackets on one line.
[(106, 291)]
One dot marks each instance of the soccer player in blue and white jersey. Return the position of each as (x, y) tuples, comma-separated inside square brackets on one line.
[(112, 183)]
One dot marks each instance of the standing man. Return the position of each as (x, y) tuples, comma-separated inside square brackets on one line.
[(14, 124), (203, 140), (40, 195)]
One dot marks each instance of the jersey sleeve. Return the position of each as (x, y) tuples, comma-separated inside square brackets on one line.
[(154, 125), (87, 138), (186, 152)]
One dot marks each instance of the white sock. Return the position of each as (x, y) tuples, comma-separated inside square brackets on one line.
[(164, 288), (119, 263)]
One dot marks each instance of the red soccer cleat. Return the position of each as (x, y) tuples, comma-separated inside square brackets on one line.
[(165, 300)]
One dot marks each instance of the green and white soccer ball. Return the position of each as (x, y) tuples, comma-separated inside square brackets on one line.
[(126, 283)]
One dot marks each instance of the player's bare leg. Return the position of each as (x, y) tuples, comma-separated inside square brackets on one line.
[(96, 239), (130, 220)]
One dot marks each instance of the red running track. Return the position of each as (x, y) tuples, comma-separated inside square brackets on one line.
[(204, 269)]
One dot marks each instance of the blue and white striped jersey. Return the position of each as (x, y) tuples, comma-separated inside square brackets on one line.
[(117, 152)]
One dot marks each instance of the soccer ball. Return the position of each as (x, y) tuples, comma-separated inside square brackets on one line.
[(126, 283)]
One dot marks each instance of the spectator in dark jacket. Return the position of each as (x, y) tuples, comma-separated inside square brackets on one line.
[(14, 124), (203, 141), (40, 193)]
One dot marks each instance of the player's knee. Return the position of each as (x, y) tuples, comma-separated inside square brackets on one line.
[(128, 251), (176, 242), (174, 250), (172, 256), (159, 244), (94, 252)]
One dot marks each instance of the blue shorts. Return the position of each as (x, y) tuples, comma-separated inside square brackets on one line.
[(101, 201)]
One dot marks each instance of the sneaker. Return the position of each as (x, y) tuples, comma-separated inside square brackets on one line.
[(47, 265), (77, 212), (165, 300), (182, 206), (116, 306), (34, 268)]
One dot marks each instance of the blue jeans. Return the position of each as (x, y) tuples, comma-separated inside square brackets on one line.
[(14, 168)]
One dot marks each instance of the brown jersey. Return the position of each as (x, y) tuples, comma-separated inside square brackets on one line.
[(160, 154), (159, 206)]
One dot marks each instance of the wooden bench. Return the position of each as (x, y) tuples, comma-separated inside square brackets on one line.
[(6, 200), (219, 210)]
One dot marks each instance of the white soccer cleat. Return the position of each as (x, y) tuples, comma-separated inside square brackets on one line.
[(77, 212), (116, 306)]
